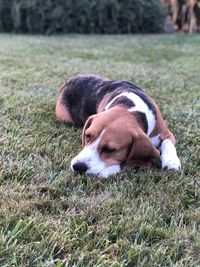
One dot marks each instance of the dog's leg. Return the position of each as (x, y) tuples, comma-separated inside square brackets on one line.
[(169, 156), (193, 23), (174, 6), (192, 18), (62, 112)]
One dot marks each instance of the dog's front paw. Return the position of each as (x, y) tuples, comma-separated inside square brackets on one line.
[(171, 162)]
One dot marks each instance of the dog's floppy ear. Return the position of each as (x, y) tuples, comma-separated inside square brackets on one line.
[(86, 126), (141, 149)]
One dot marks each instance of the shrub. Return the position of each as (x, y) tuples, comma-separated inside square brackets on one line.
[(81, 16)]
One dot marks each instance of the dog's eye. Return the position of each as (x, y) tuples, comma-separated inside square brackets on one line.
[(87, 137), (107, 149)]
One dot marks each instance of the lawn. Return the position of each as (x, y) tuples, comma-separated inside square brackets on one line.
[(51, 217)]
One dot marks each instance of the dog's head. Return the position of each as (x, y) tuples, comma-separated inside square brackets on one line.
[(110, 139)]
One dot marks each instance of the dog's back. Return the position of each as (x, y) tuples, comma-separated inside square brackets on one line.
[(82, 94)]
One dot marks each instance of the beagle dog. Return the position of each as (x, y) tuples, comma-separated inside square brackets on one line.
[(122, 124)]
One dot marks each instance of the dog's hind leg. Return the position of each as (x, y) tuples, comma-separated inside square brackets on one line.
[(62, 113)]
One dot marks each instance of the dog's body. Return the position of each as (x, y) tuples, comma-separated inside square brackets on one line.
[(122, 125)]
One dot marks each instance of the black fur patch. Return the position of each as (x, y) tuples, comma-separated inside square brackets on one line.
[(142, 120), (123, 101), (117, 87), (83, 93), (80, 96)]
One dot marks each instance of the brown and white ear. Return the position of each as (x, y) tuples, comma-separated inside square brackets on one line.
[(86, 126), (141, 149)]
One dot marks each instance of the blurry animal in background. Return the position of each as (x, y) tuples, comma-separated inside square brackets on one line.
[(122, 125), (185, 14)]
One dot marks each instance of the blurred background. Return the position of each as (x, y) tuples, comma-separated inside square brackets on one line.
[(99, 16)]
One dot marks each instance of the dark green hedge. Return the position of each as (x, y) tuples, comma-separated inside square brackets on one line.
[(81, 16)]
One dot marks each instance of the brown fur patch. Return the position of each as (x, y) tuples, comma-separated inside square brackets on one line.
[(62, 114)]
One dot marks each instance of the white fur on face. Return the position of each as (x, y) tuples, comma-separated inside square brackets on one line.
[(140, 105), (90, 156), (169, 156)]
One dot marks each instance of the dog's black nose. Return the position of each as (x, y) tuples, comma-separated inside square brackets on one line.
[(80, 167)]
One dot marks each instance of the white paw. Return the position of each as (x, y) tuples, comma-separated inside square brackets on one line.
[(170, 162)]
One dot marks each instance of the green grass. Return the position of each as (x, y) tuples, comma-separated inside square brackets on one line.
[(52, 217)]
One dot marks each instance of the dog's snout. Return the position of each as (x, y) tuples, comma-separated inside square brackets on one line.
[(80, 167)]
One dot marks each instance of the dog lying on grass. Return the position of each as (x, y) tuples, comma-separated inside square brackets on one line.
[(122, 125)]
